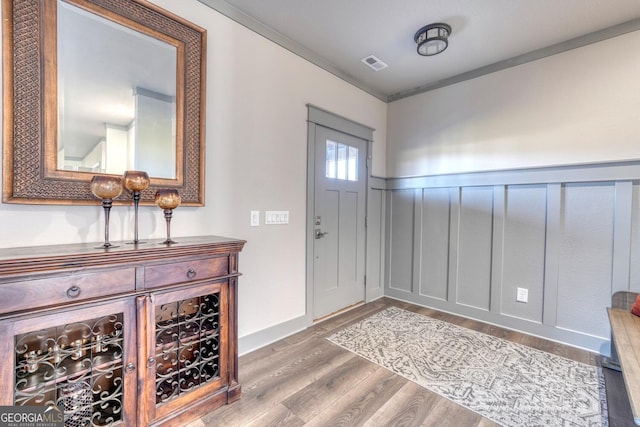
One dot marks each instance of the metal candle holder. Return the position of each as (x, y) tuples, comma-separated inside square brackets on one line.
[(106, 188), (168, 199), (136, 182)]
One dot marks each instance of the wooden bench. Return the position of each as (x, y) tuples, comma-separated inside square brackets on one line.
[(625, 330)]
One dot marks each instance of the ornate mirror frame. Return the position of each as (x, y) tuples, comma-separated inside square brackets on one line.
[(30, 101)]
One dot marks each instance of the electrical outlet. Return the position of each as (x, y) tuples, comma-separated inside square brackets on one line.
[(522, 295), (255, 218)]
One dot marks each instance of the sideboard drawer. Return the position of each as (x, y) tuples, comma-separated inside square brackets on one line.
[(184, 272), (18, 296)]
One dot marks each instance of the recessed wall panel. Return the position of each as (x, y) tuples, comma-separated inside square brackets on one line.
[(524, 250), (434, 254), (401, 205), (474, 247), (586, 257), (375, 249), (634, 267)]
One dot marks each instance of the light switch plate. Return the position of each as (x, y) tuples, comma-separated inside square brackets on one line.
[(255, 218)]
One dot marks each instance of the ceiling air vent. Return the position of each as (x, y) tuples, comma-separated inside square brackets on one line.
[(374, 63)]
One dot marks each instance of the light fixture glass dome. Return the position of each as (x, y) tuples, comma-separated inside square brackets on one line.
[(432, 39)]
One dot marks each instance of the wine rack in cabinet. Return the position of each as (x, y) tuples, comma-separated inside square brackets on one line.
[(129, 336), (185, 358), (187, 346), (82, 361)]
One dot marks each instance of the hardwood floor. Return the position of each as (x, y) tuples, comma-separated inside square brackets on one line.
[(304, 380)]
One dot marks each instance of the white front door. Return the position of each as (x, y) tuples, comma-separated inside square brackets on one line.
[(339, 221)]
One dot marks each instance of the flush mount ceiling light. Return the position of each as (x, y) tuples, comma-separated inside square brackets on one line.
[(432, 39)]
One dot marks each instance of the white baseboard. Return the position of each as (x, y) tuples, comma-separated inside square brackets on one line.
[(259, 339)]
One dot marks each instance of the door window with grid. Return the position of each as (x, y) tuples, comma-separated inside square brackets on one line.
[(341, 162)]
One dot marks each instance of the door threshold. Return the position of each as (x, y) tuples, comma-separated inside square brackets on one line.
[(337, 313)]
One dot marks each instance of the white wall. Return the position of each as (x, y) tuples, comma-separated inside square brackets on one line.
[(575, 107), (256, 139)]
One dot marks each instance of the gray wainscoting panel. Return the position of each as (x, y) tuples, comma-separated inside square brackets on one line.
[(475, 231), (400, 233), (465, 244), (586, 257), (623, 213), (523, 250), (375, 244), (434, 242), (635, 240)]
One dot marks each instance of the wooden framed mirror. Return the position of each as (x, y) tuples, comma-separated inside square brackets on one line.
[(99, 87)]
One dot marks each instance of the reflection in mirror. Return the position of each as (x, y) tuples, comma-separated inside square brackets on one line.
[(116, 105)]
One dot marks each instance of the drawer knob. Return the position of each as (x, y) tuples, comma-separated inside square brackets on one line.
[(191, 273), (73, 291), (150, 361), (130, 367)]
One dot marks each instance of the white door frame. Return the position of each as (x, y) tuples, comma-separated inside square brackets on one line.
[(318, 116)]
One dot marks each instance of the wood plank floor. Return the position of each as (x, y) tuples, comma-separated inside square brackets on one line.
[(304, 380)]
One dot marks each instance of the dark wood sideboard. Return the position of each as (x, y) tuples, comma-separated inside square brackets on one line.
[(135, 335)]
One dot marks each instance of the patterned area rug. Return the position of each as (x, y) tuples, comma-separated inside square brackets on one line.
[(511, 384)]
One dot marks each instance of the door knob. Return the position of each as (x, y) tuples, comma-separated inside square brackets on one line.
[(320, 234)]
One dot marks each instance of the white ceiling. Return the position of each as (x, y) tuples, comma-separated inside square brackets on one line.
[(487, 35)]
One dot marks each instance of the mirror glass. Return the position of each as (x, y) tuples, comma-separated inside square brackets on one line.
[(116, 104)]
